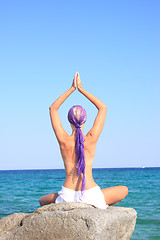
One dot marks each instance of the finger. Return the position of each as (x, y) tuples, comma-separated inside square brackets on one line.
[(77, 74), (75, 81)]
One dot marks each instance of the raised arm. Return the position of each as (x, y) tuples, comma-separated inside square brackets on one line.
[(56, 123), (95, 131)]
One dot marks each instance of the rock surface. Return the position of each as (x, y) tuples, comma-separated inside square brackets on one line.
[(65, 221)]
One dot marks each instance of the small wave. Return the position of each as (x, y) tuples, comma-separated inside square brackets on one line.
[(148, 221)]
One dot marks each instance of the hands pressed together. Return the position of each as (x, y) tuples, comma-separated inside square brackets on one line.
[(77, 81)]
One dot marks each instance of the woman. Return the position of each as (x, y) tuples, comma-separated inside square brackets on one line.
[(78, 153)]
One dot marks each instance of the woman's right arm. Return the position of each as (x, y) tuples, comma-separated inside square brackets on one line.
[(55, 119), (95, 131)]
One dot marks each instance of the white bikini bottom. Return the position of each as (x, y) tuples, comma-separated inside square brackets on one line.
[(92, 196)]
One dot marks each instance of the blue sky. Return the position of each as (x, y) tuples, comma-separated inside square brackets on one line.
[(114, 45)]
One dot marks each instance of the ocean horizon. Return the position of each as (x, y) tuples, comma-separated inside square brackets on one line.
[(64, 169), (20, 190)]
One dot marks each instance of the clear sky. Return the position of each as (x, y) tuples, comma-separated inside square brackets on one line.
[(114, 45)]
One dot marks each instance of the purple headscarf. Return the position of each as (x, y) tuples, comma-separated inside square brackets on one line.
[(77, 116)]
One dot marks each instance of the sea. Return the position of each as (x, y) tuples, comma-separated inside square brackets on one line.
[(20, 191)]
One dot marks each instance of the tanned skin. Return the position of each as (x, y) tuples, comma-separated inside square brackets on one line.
[(66, 142)]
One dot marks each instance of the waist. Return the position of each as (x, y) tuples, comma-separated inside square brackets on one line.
[(76, 183), (72, 172), (72, 190)]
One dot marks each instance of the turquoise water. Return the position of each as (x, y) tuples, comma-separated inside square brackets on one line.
[(20, 191)]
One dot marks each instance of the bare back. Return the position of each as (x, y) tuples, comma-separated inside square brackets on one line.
[(67, 148), (67, 143)]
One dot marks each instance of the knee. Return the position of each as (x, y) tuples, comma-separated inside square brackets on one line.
[(125, 189), (41, 202)]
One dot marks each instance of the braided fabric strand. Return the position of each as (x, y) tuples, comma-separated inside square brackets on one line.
[(80, 156), (77, 116)]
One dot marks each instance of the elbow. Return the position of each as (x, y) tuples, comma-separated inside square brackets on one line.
[(104, 107), (52, 107)]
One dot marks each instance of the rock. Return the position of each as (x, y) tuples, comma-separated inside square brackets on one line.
[(65, 221)]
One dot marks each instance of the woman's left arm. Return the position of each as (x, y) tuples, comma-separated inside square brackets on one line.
[(56, 122)]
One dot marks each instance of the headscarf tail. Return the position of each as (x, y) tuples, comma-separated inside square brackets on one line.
[(77, 116)]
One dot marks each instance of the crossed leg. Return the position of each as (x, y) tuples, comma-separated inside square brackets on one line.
[(47, 199), (115, 194), (112, 195)]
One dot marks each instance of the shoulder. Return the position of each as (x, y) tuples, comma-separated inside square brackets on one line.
[(89, 139), (66, 139)]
